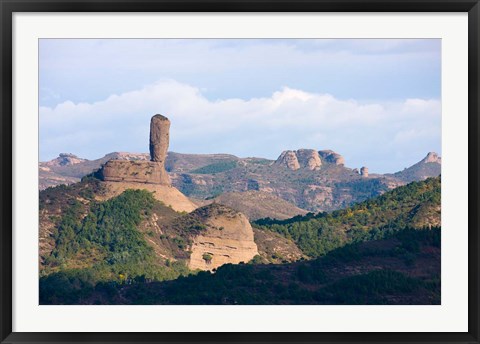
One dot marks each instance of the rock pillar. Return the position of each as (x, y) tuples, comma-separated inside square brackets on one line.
[(159, 138)]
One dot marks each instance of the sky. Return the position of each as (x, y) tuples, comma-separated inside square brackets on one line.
[(375, 101)]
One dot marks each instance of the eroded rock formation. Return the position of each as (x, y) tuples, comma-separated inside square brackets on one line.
[(159, 138), (364, 171), (136, 171), (227, 238), (302, 158), (288, 159), (309, 159), (332, 157), (432, 157)]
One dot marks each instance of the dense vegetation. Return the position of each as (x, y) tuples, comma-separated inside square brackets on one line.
[(317, 234), (376, 272), (360, 189), (104, 245), (379, 251)]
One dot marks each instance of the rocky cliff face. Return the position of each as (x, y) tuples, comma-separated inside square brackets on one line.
[(167, 194), (332, 157), (228, 238), (308, 159), (149, 172), (432, 157), (159, 138), (288, 159)]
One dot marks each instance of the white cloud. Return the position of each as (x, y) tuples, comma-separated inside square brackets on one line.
[(365, 133), (90, 69)]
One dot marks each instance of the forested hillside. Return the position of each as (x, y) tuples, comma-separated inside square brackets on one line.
[(402, 268), (414, 205)]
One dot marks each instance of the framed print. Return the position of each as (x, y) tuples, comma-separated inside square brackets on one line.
[(239, 171)]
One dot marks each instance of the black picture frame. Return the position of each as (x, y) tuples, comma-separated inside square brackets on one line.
[(8, 7)]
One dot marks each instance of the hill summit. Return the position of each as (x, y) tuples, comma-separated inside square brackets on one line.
[(309, 159)]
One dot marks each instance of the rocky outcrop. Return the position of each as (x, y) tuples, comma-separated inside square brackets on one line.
[(302, 158), (309, 159), (289, 160), (159, 138), (364, 171), (139, 171), (167, 194), (430, 166), (331, 157), (134, 171), (227, 238), (432, 157), (64, 159)]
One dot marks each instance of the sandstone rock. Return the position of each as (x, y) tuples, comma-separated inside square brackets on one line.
[(159, 138), (302, 158), (140, 171), (134, 171), (432, 157), (289, 159), (364, 171), (332, 157), (167, 194), (228, 238), (309, 159)]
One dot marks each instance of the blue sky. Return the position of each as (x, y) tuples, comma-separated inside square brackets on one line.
[(377, 102)]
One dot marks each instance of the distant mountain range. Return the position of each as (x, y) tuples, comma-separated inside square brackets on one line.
[(307, 179)]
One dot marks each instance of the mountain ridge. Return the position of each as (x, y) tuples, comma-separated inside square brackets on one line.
[(321, 185)]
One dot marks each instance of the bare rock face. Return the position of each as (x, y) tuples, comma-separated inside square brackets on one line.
[(309, 159), (364, 171), (332, 157), (159, 138), (227, 238), (64, 159), (135, 171), (302, 158), (167, 194), (432, 157), (139, 171), (289, 159)]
